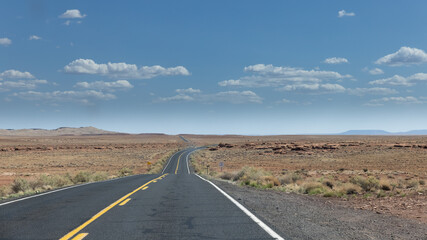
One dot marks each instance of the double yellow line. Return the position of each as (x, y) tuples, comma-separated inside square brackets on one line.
[(102, 212)]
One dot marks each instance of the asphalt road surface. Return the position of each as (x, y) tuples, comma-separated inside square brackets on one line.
[(175, 204)]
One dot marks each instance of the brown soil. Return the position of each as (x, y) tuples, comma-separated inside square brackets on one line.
[(394, 158), (26, 157)]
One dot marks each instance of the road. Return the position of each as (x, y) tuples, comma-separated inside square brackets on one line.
[(176, 204)]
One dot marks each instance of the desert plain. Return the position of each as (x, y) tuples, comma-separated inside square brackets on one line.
[(385, 174)]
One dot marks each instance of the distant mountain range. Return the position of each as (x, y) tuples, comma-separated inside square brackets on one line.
[(382, 132), (62, 131)]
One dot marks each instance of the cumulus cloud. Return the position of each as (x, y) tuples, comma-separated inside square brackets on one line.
[(65, 96), (72, 13), (272, 76), (335, 60), (34, 37), (371, 91), (325, 88), (12, 73), (398, 80), (234, 97), (344, 13), (5, 41), (108, 86), (404, 56), (122, 70), (396, 100), (188, 90)]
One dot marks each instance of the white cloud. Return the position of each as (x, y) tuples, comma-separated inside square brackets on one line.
[(72, 13), (65, 96), (371, 91), (122, 70), (234, 97), (12, 73), (5, 41), (188, 90), (398, 80), (179, 97), (335, 60), (324, 88), (397, 100), (376, 71), (271, 76), (343, 13), (404, 56), (34, 37), (230, 83), (24, 84), (109, 86)]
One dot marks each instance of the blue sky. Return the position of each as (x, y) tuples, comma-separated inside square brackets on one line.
[(216, 67)]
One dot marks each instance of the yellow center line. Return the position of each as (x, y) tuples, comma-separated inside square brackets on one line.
[(124, 202), (144, 188), (177, 164), (76, 230), (80, 236)]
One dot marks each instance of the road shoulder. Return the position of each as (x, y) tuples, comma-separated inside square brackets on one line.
[(310, 217)]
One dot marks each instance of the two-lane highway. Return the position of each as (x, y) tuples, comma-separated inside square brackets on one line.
[(176, 204)]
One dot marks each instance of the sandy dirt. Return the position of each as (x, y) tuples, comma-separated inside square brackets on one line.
[(26, 157), (340, 158)]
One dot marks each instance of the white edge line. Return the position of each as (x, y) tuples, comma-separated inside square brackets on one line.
[(61, 189), (264, 226), (169, 161)]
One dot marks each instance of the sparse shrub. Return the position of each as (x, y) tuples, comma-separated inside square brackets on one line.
[(313, 188), (20, 185), (226, 176), (385, 185), (348, 189), (365, 170), (422, 182), (81, 177), (271, 180), (289, 178), (367, 184), (61, 181), (4, 191), (329, 184), (125, 172), (412, 184), (239, 175), (381, 194), (99, 176)]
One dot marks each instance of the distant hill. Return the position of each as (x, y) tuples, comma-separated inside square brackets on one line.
[(382, 132), (55, 132)]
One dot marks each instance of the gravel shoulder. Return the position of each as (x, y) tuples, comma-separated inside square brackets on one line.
[(308, 217)]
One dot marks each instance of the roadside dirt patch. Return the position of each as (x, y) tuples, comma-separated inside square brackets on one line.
[(384, 174)]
